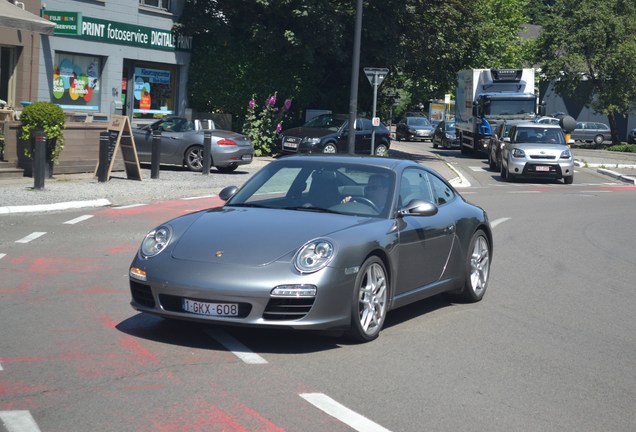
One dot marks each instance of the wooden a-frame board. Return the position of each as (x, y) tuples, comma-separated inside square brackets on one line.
[(120, 135)]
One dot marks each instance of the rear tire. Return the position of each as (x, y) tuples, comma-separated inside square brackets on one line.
[(194, 158), (598, 139), (381, 150)]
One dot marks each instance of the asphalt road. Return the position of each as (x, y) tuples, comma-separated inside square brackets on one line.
[(550, 348)]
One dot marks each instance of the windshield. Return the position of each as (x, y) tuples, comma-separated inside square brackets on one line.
[(325, 121), (318, 187), (539, 136), (418, 121), (498, 107), (450, 126)]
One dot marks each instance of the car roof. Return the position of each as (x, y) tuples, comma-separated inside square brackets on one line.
[(538, 125), (362, 160)]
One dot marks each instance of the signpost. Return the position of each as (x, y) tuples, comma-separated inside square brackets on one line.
[(119, 136), (375, 77)]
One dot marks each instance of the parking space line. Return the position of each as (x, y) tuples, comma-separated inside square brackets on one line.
[(31, 237), (236, 347), (342, 413), (78, 219), (19, 421)]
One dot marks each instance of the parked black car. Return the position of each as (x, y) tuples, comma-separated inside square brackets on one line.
[(631, 136), (329, 133), (445, 136)]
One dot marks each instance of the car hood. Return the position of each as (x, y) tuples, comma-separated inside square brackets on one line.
[(307, 132), (537, 149), (255, 236)]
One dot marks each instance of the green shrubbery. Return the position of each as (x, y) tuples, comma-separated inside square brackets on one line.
[(48, 117), (627, 148)]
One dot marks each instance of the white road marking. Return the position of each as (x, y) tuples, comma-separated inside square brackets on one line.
[(30, 237), (478, 168), (499, 221), (19, 421), (129, 206), (524, 192), (78, 219), (198, 197), (56, 206), (236, 347), (342, 413), (1, 367), (2, 255)]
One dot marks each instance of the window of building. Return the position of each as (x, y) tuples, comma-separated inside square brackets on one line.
[(154, 91), (159, 4), (76, 81)]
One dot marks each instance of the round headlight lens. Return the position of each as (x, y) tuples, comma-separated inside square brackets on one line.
[(314, 256), (155, 241)]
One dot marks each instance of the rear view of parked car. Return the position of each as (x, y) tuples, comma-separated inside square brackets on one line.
[(591, 132), (444, 135)]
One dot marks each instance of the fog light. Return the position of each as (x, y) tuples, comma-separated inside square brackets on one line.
[(295, 291), (137, 273)]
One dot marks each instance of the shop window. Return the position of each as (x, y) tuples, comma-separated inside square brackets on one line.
[(76, 81), (154, 92), (159, 4)]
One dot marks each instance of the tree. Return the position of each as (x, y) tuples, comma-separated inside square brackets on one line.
[(592, 42)]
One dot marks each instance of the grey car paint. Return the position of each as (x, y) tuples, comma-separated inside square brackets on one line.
[(239, 252)]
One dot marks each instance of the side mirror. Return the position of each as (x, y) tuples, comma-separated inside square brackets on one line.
[(418, 207), (228, 192)]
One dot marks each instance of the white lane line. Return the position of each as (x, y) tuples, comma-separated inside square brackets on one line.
[(499, 221), (236, 347), (30, 237), (129, 206), (1, 367), (342, 413), (19, 421), (2, 255), (198, 197), (524, 192), (78, 219)]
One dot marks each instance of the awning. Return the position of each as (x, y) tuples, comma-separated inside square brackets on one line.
[(15, 17)]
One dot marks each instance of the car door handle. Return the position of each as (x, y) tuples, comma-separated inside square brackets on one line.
[(449, 229)]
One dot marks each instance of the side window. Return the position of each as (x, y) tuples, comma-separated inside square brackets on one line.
[(414, 184), (442, 193)]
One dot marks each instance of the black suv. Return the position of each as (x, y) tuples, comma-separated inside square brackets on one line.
[(329, 133)]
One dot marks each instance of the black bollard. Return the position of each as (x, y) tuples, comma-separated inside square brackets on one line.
[(38, 141), (104, 162), (207, 150), (155, 156)]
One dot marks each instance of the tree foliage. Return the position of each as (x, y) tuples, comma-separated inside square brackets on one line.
[(302, 49), (595, 42)]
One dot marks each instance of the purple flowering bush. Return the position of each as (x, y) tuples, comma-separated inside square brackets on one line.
[(263, 124)]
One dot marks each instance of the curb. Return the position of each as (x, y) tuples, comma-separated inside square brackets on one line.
[(618, 176), (57, 206), (601, 170)]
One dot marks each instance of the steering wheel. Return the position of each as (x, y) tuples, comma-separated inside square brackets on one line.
[(366, 201)]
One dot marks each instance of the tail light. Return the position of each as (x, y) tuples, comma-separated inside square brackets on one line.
[(226, 142)]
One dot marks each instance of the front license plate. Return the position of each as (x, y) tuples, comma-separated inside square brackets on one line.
[(542, 168), (247, 157), (291, 145), (210, 309)]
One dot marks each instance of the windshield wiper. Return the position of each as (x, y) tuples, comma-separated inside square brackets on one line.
[(312, 209), (249, 205)]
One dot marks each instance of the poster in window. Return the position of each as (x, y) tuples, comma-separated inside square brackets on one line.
[(76, 81), (153, 92)]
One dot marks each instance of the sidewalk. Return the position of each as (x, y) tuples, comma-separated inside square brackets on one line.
[(620, 166)]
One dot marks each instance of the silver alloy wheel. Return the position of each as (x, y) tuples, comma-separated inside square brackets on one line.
[(479, 266), (380, 150), (372, 299), (194, 158), (330, 148)]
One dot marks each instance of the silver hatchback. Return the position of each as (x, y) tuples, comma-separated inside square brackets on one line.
[(537, 151)]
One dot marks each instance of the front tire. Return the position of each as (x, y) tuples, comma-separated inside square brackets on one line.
[(370, 301), (330, 148), (477, 268), (568, 180)]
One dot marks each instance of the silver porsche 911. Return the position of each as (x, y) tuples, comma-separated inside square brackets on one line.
[(317, 242)]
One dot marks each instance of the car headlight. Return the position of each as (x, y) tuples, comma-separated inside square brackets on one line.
[(518, 153), (312, 140), (155, 241), (449, 136), (314, 256), (565, 154)]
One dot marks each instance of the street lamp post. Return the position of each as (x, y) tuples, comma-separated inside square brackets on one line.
[(353, 99)]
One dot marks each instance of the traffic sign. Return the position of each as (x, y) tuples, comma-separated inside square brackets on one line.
[(376, 75)]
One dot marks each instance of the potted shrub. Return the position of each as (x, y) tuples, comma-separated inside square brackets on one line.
[(49, 118)]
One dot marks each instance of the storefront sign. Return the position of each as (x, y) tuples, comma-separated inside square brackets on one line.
[(116, 32)]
